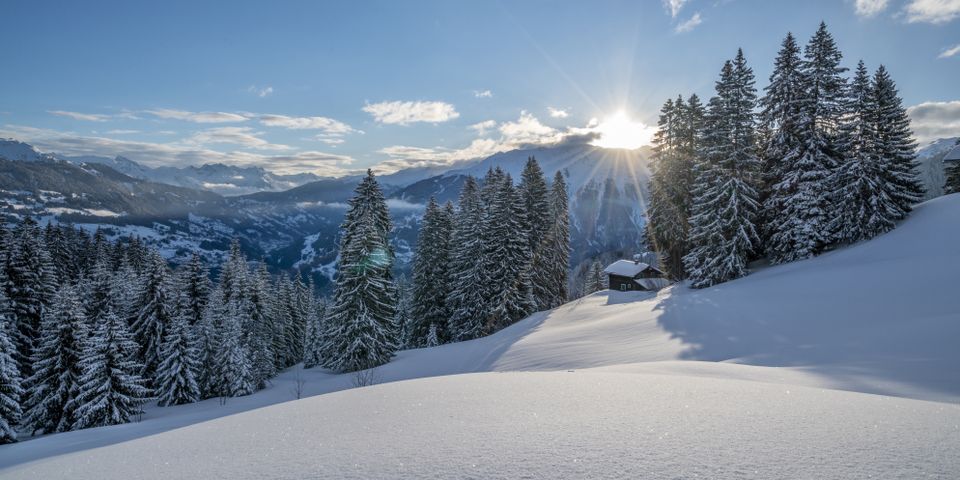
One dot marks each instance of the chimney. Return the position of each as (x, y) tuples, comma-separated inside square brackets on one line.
[(636, 258)]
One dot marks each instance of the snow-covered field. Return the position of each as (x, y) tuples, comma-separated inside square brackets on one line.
[(843, 366)]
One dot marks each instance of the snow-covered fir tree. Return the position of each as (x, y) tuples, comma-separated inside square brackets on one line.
[(233, 373), (194, 289), (551, 262), (535, 193), (155, 309), (506, 254), (11, 390), (178, 373), (895, 147), (55, 382), (798, 209), (722, 225), (207, 333), (675, 151), (362, 310), (259, 339), (111, 390), (402, 318), (431, 276), (780, 118), (466, 299), (595, 279), (316, 328), (31, 285)]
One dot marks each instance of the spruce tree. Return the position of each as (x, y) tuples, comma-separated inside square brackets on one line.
[(207, 333), (233, 375), (31, 284), (952, 184), (11, 390), (722, 225), (313, 344), (799, 208), (259, 340), (466, 298), (194, 283), (177, 374), (552, 260), (780, 118), (431, 276), (895, 147), (111, 390), (155, 309), (361, 315), (506, 256), (55, 382), (403, 319)]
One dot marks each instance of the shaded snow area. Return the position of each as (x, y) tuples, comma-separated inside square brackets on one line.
[(842, 366)]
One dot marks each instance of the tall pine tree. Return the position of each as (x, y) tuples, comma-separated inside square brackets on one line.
[(431, 276)]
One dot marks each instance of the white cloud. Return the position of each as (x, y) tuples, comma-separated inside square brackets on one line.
[(483, 127), (121, 132), (198, 117), (87, 117), (932, 11), (674, 6), (176, 153), (402, 113), (689, 24), (260, 91), (933, 120), (243, 136), (398, 204), (949, 52), (482, 93), (557, 112), (869, 8), (523, 132), (327, 125)]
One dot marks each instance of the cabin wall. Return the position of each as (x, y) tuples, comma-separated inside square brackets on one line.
[(622, 284)]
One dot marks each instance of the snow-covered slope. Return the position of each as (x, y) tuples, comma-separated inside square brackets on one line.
[(739, 380)]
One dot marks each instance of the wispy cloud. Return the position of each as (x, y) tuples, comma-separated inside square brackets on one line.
[(674, 6), (121, 132), (403, 113), (327, 125), (869, 8), (558, 113), (933, 120), (949, 52), (87, 117), (243, 136), (260, 91), (689, 24), (932, 11), (198, 117), (482, 93), (176, 153)]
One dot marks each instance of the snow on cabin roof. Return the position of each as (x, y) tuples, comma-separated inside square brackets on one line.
[(953, 156), (626, 268)]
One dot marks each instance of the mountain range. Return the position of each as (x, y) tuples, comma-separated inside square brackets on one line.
[(293, 221)]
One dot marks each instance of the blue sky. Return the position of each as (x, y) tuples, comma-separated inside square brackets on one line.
[(332, 87)]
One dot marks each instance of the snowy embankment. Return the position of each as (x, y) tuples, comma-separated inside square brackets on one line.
[(741, 380)]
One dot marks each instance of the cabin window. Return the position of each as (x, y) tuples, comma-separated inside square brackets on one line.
[(623, 287)]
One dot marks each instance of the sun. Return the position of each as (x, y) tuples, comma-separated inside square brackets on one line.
[(620, 131)]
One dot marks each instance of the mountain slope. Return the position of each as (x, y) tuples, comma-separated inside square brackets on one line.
[(739, 365)]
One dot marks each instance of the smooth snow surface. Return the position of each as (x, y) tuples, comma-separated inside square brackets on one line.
[(549, 425), (742, 380)]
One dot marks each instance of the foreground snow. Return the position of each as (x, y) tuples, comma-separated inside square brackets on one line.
[(549, 425), (681, 384)]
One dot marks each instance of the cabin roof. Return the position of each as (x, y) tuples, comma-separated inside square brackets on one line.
[(953, 155), (626, 268)]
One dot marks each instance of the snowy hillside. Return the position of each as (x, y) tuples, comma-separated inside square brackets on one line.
[(768, 376)]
